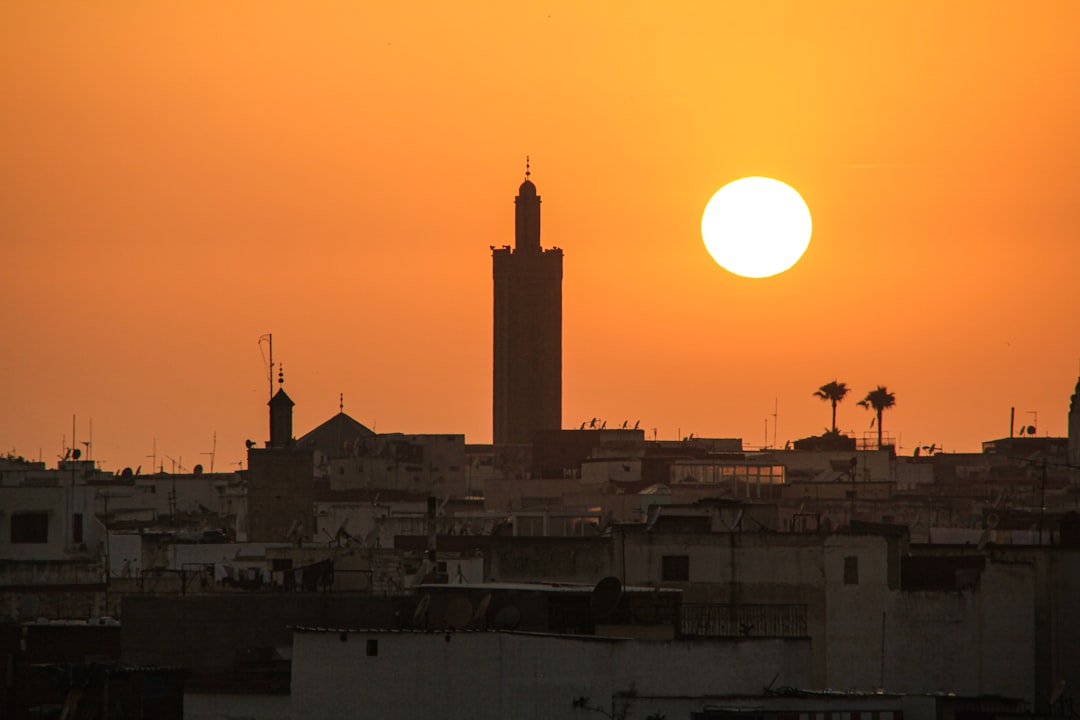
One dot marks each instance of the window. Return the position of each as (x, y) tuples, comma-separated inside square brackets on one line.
[(76, 528), (675, 568), (529, 525), (29, 528), (851, 570), (372, 647)]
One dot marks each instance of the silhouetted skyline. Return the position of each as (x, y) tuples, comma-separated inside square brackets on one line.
[(180, 180)]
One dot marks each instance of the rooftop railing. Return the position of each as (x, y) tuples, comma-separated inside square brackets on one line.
[(733, 621)]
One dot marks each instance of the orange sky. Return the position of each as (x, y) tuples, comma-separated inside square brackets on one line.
[(179, 178)]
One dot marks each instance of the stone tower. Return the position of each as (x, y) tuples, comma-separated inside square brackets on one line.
[(527, 391)]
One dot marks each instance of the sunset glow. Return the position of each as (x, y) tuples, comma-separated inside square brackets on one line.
[(179, 179)]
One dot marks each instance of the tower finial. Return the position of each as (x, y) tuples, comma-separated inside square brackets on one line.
[(341, 402), (281, 374), (527, 171)]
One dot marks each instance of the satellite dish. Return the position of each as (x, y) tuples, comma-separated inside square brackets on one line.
[(654, 516), (507, 618), (126, 472), (605, 596), (197, 470), (28, 606), (249, 443), (459, 612), (734, 525), (419, 615), (1030, 431), (482, 608), (76, 454)]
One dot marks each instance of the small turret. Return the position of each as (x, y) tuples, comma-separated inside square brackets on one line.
[(281, 406), (527, 215)]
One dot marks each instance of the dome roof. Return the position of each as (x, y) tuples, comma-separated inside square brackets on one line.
[(527, 188)]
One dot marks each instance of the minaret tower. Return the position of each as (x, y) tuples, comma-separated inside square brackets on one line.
[(527, 388)]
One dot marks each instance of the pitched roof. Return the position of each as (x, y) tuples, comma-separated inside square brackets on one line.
[(336, 437)]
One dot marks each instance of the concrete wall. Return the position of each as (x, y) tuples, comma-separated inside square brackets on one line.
[(740, 558), (211, 636), (970, 642), (59, 504), (499, 675), (280, 493), (168, 494), (427, 463), (502, 494), (576, 560), (1056, 620), (872, 464), (32, 603), (980, 641), (235, 706)]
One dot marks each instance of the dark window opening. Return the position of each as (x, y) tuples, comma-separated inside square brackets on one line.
[(76, 528), (29, 528), (372, 647), (851, 570), (675, 568)]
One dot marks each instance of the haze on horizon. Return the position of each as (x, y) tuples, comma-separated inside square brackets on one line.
[(179, 180)]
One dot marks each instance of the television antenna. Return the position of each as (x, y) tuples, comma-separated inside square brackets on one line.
[(90, 443), (775, 413), (176, 464), (419, 616), (268, 338), (482, 608), (213, 451)]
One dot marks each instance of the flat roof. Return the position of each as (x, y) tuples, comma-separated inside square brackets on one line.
[(541, 587)]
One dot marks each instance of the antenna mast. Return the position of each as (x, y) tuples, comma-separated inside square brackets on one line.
[(776, 410), (213, 451), (269, 338)]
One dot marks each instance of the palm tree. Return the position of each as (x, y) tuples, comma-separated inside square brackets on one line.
[(880, 400), (833, 392)]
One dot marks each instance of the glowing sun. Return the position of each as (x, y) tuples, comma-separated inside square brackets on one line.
[(756, 227)]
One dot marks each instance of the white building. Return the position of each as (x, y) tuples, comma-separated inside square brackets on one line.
[(53, 548), (487, 675)]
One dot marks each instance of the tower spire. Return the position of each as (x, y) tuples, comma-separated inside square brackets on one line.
[(527, 214)]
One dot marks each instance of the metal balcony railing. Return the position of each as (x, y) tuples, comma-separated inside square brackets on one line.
[(755, 621)]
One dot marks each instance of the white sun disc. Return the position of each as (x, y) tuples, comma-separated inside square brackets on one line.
[(756, 227)]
